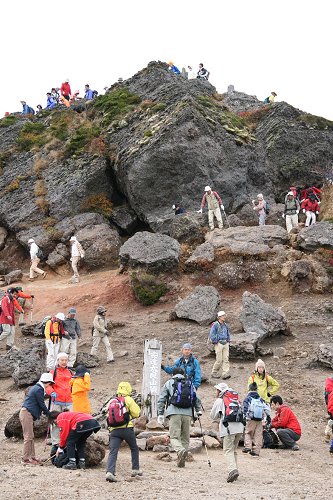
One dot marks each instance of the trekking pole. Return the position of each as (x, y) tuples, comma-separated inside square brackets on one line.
[(31, 308), (226, 218), (48, 459), (205, 445)]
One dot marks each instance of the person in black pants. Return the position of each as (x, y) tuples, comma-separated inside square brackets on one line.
[(121, 429)]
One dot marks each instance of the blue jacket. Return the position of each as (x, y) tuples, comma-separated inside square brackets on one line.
[(191, 368), (51, 102), (174, 69), (219, 333), (25, 110), (88, 95), (34, 401), (247, 401)]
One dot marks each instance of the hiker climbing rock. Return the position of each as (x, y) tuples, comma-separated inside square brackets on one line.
[(7, 317), (286, 424), (80, 384), (180, 400), (256, 412), (227, 410), (178, 209), (267, 385), (75, 428), (32, 408), (219, 335), (21, 299), (311, 209), (260, 208), (188, 363), (202, 72), (100, 334), (173, 68), (35, 260), (65, 90), (53, 332), (291, 211), (121, 410), (72, 332), (270, 99), (77, 253), (214, 203)]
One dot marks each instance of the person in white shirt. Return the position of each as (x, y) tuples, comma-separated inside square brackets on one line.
[(77, 253), (34, 261)]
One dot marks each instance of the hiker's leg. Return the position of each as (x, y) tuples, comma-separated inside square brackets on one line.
[(225, 359), (261, 219), (211, 219), (73, 438), (96, 341), (75, 261), (236, 443), (313, 218), (218, 353), (109, 353), (185, 430), (34, 269), (294, 220), (65, 345), (54, 429), (287, 437), (115, 439), (72, 352), (217, 213), (130, 439), (28, 434), (8, 333), (229, 452), (289, 225), (308, 218), (248, 436), (257, 437), (56, 350), (50, 360), (175, 429), (81, 443)]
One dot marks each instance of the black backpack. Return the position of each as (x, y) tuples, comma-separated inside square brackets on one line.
[(94, 94), (42, 326), (270, 439), (183, 393), (40, 254), (31, 110)]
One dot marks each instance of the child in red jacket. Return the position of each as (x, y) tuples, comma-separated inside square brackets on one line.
[(286, 424), (311, 208)]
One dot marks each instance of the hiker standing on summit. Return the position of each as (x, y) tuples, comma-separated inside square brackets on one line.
[(214, 203), (65, 90), (35, 260), (260, 208)]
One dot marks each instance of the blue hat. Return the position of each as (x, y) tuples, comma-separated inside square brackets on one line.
[(187, 345)]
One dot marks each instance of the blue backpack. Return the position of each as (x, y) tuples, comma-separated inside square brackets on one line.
[(256, 409)]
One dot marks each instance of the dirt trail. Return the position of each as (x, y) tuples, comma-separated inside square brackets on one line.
[(277, 474)]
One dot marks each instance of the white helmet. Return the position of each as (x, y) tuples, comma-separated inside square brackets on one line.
[(60, 316), (31, 240), (208, 188)]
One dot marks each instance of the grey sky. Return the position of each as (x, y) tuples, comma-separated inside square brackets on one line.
[(258, 46)]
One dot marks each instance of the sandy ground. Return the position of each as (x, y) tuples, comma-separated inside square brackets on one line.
[(277, 474)]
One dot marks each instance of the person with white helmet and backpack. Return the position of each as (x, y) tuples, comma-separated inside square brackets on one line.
[(53, 332), (215, 205), (77, 253), (35, 260)]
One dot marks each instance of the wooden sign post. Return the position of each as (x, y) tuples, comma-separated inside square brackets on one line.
[(151, 382)]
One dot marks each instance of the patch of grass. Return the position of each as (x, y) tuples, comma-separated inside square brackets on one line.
[(60, 123), (316, 122), (49, 222), (8, 121), (40, 188), (54, 233), (253, 117), (97, 146), (4, 159), (12, 186), (81, 139), (148, 133), (160, 106), (99, 203), (39, 165), (147, 288), (43, 204), (32, 135), (115, 104), (205, 101)]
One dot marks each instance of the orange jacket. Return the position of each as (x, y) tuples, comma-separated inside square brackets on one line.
[(80, 389), (61, 385)]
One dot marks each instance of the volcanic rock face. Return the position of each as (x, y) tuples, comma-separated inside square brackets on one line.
[(200, 306)]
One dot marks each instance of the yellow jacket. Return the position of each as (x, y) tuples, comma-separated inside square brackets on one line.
[(266, 385), (80, 389), (125, 389)]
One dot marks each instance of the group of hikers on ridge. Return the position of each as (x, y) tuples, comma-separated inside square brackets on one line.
[(306, 200)]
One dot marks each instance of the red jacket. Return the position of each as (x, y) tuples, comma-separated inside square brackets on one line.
[(7, 309), (330, 404), (61, 387), (311, 206), (286, 419), (67, 422), (65, 89)]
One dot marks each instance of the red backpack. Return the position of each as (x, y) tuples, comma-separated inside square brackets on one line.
[(233, 409), (328, 387), (118, 414)]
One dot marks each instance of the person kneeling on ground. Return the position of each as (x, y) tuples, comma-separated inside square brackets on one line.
[(256, 412), (179, 396), (121, 410), (75, 428), (286, 424)]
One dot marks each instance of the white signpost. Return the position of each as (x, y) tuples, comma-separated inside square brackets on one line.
[(151, 382)]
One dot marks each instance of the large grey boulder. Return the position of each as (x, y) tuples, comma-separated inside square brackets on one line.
[(101, 244), (259, 317), (59, 256), (244, 345), (154, 252), (125, 218), (186, 228), (234, 274), (202, 257), (7, 366), (29, 364), (247, 241), (86, 359), (13, 276), (325, 355), (319, 235), (13, 427), (200, 306)]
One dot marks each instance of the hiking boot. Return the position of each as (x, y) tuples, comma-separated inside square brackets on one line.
[(81, 464), (111, 477), (136, 472), (295, 447), (21, 324), (226, 376), (182, 458), (110, 361), (44, 275), (331, 450), (233, 475), (253, 454), (70, 466), (190, 457), (12, 348), (246, 450), (215, 375), (29, 461)]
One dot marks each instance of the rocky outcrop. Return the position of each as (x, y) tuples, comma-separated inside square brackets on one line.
[(86, 359), (154, 252), (13, 427), (29, 364), (235, 274), (325, 355), (101, 244), (125, 219), (186, 228), (259, 317), (200, 306), (244, 345), (94, 452), (319, 235), (202, 257)]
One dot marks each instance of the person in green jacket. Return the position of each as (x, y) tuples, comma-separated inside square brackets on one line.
[(267, 385), (123, 432)]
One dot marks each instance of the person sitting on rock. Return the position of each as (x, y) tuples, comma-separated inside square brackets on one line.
[(173, 68), (21, 299), (51, 101), (260, 208), (80, 384), (53, 332), (270, 99), (74, 430), (72, 331), (173, 394), (214, 203), (178, 209), (286, 424), (100, 334), (202, 73), (188, 363), (291, 211), (7, 317), (267, 385), (122, 430), (311, 208), (220, 337)]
